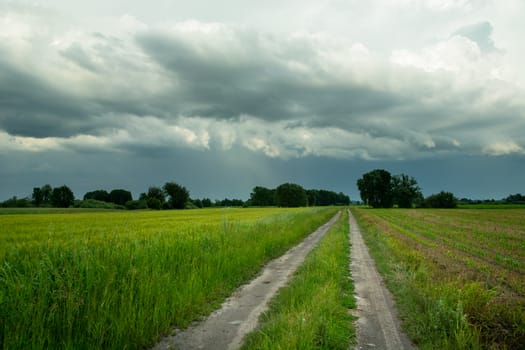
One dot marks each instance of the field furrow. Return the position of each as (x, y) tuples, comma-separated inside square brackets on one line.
[(471, 262)]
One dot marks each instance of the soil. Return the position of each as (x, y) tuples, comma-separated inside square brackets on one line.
[(226, 327), (378, 326)]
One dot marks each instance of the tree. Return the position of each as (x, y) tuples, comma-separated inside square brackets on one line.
[(206, 203), (262, 197), (62, 197), (120, 196), (46, 190), (405, 191), (290, 195), (37, 196), (15, 202), (375, 188), (517, 198), (440, 200), (98, 195), (178, 195), (313, 197), (155, 198)]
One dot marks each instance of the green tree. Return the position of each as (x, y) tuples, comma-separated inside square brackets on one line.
[(157, 193), (98, 195), (120, 196), (405, 191), (290, 195), (155, 197), (262, 197), (313, 197), (178, 195), (37, 196), (441, 200), (62, 197), (375, 188), (47, 191)]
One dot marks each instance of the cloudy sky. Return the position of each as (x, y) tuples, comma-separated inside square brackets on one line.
[(222, 96)]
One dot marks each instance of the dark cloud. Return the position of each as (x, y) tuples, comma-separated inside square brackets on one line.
[(30, 106), (262, 85)]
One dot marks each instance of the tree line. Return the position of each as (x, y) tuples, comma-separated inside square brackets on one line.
[(379, 189), (175, 196)]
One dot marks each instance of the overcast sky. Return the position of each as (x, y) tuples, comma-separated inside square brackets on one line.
[(221, 96)]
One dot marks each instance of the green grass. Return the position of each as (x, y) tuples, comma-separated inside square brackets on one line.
[(457, 275), (118, 280), (312, 312)]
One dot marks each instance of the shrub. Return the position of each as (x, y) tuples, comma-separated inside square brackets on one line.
[(136, 204), (440, 200)]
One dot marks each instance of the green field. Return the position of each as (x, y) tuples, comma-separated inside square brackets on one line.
[(458, 275), (117, 280)]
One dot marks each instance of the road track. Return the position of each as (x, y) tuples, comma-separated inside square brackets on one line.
[(377, 326), (225, 328)]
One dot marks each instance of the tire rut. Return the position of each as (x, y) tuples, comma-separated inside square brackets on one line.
[(225, 328), (377, 326)]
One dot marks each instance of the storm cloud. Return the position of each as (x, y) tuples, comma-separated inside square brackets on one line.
[(133, 86)]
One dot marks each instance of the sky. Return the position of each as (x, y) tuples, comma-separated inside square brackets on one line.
[(225, 96)]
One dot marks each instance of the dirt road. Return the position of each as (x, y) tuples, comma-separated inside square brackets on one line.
[(378, 326), (226, 327)]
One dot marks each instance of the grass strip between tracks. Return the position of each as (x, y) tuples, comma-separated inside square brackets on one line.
[(312, 312)]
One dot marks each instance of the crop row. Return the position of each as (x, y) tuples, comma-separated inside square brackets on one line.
[(464, 269)]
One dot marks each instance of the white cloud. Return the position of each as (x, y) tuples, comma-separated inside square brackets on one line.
[(503, 148)]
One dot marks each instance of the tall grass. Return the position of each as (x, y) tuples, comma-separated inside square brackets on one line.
[(312, 312), (119, 280), (442, 266)]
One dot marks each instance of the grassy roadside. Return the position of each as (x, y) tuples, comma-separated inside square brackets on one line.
[(446, 296), (312, 311)]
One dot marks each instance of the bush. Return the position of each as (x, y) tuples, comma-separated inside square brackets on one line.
[(17, 203), (440, 200), (154, 203), (136, 205), (95, 204)]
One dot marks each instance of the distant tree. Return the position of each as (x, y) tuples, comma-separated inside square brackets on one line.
[(136, 205), (98, 195), (155, 197), (153, 203), (178, 195), (15, 202), (375, 188), (313, 197), (440, 200), (206, 203), (229, 203), (38, 197), (515, 198), (405, 191), (120, 196), (62, 197), (262, 197), (47, 191), (290, 195), (197, 203), (325, 197), (158, 193)]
